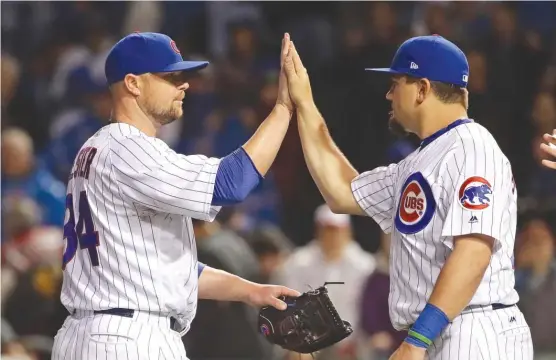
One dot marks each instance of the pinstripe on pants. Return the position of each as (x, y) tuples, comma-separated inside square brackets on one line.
[(112, 337), (485, 335)]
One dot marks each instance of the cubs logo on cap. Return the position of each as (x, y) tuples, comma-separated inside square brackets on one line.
[(475, 193), (174, 47), (416, 206)]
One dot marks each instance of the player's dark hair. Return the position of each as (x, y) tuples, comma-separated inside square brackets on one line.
[(446, 93)]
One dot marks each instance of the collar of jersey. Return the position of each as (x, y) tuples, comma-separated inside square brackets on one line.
[(441, 132)]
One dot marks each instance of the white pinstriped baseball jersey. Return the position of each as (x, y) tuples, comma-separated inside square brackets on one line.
[(128, 232), (460, 183)]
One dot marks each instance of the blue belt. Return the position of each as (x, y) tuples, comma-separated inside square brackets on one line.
[(495, 306), (174, 324), (500, 306)]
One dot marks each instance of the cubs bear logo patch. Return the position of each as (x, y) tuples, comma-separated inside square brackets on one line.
[(475, 193)]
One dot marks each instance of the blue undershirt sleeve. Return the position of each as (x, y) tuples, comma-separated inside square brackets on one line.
[(200, 268), (236, 177)]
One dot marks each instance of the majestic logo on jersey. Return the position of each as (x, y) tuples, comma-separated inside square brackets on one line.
[(416, 206), (475, 193)]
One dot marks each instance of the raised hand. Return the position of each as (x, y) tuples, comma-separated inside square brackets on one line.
[(550, 149), (298, 78), (283, 91)]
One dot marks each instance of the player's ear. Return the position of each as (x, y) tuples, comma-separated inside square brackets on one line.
[(133, 84), (424, 89)]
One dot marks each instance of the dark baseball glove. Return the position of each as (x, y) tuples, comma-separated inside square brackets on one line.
[(309, 324)]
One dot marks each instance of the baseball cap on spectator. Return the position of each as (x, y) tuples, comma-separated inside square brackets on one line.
[(82, 82), (431, 57), (141, 53), (325, 217)]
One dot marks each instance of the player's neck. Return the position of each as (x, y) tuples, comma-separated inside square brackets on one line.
[(436, 121), (135, 117)]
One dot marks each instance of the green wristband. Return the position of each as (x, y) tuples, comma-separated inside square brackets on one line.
[(419, 337)]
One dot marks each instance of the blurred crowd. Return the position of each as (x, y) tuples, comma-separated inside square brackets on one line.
[(54, 97)]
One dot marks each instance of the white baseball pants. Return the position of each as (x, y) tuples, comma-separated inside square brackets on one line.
[(485, 334), (86, 336)]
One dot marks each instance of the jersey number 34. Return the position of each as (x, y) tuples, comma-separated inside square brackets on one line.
[(83, 233)]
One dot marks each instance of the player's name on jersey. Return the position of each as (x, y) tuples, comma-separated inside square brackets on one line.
[(83, 163)]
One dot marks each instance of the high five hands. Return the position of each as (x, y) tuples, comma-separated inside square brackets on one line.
[(294, 87)]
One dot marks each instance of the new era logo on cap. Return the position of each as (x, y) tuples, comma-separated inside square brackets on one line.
[(413, 66)]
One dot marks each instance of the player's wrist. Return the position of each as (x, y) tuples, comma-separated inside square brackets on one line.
[(283, 108), (430, 323), (248, 292), (306, 105), (413, 347)]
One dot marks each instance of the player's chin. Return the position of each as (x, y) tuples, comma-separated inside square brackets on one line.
[(395, 127), (177, 111)]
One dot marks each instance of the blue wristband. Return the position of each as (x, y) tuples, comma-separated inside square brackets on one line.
[(200, 268), (428, 326)]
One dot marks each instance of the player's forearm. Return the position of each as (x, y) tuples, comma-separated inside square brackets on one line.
[(263, 146), (458, 281), (220, 285), (329, 168), (461, 275)]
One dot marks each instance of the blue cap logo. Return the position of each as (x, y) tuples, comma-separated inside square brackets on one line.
[(175, 47)]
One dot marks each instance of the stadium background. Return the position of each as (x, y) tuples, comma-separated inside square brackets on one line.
[(54, 98)]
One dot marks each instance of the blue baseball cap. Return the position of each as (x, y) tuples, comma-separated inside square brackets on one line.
[(432, 57), (141, 53)]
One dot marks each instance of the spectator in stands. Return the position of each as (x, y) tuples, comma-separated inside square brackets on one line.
[(70, 132), (22, 174), (332, 256), (31, 257), (200, 102), (271, 246), (380, 337), (10, 81), (87, 47), (535, 264), (222, 134), (229, 327), (241, 71)]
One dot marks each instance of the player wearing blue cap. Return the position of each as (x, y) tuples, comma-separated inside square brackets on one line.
[(450, 207), (131, 277)]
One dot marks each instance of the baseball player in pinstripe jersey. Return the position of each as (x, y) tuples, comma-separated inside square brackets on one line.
[(131, 275), (450, 208)]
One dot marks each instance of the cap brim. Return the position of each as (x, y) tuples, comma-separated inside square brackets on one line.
[(386, 70), (186, 66)]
